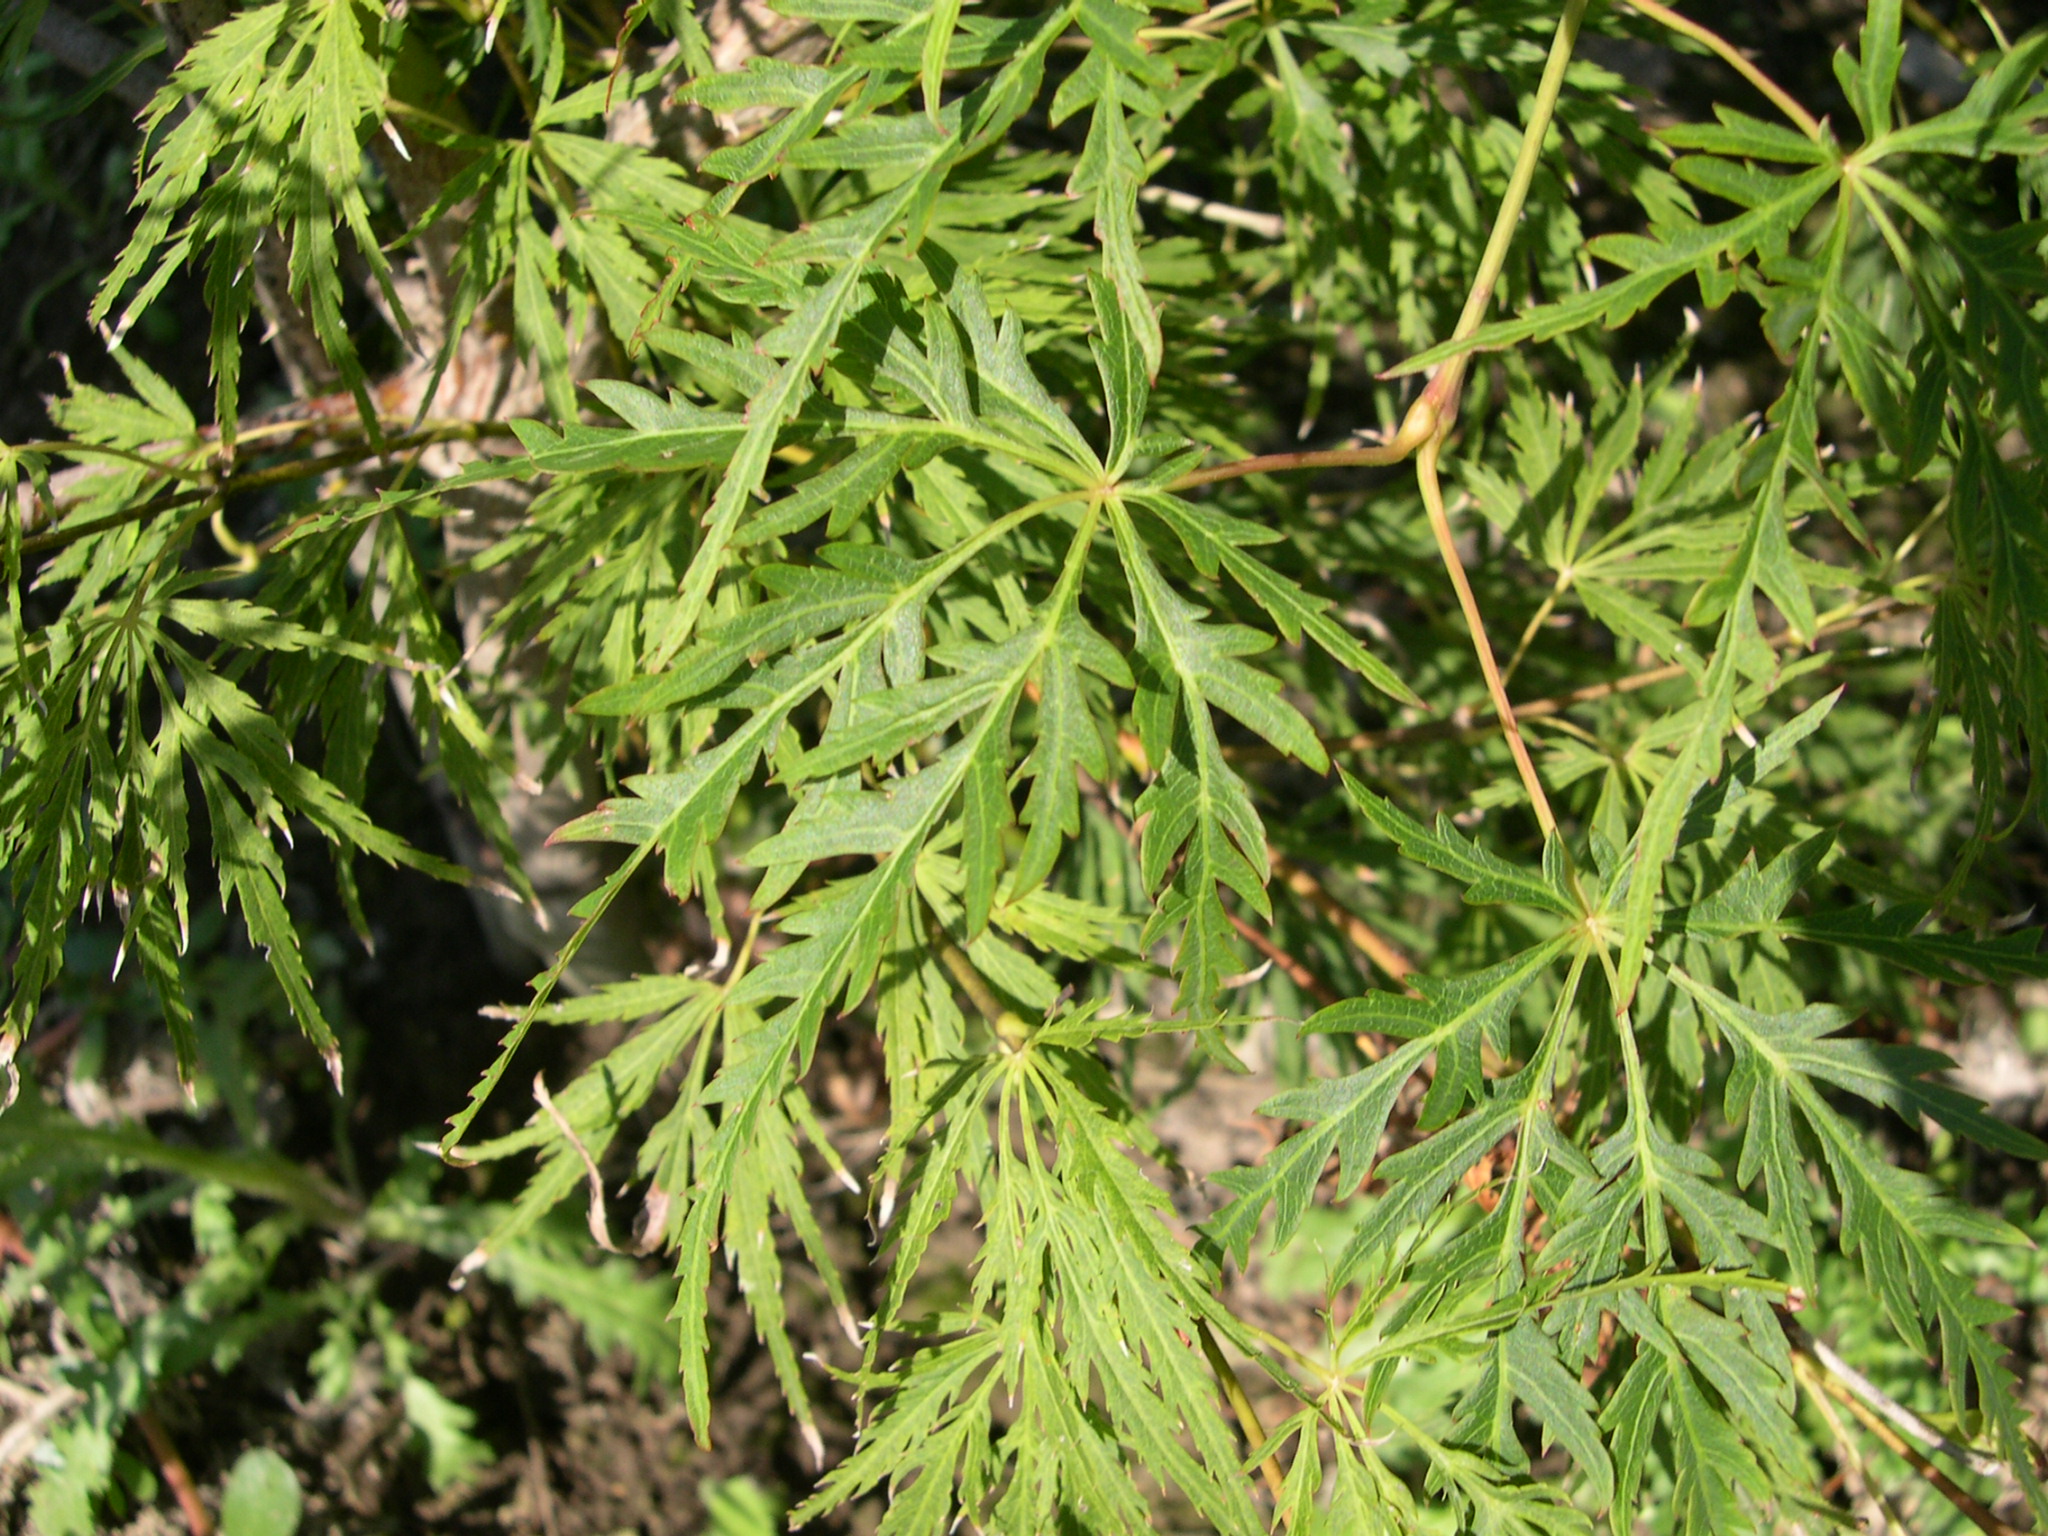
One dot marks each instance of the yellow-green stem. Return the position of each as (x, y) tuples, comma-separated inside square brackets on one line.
[(1536, 622), (1441, 397), (1277, 463), (1241, 1405), (1440, 525), (1730, 55), (1437, 409)]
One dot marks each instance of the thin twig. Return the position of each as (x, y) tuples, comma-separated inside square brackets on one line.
[(1267, 226), (256, 479), (1897, 1412), (1377, 456), (1454, 566), (1889, 1438), (1429, 421), (263, 426), (1437, 409), (1453, 730), (177, 1476), (1557, 704), (1396, 966), (1854, 1474), (1297, 972), (66, 448)]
